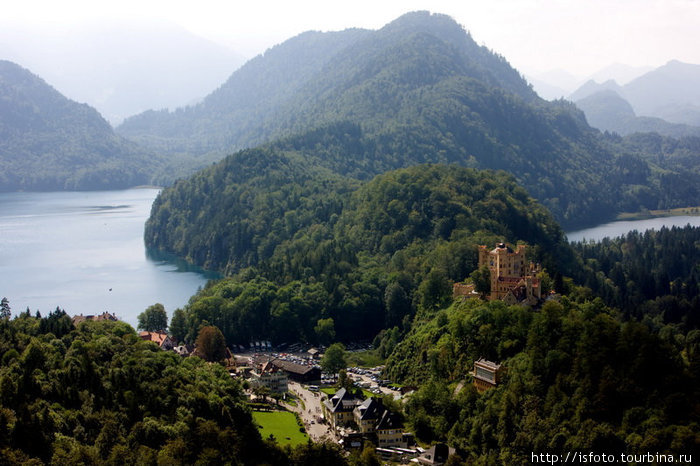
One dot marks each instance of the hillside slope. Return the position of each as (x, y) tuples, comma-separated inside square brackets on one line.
[(419, 90), (48, 142), (301, 244), (235, 115)]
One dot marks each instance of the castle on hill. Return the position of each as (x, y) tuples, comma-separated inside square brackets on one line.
[(513, 280)]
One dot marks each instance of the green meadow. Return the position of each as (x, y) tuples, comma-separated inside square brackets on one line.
[(282, 424)]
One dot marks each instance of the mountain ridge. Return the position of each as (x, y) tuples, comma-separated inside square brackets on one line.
[(49, 142), (670, 92), (608, 111), (121, 67), (408, 97)]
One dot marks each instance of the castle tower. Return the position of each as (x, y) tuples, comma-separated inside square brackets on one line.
[(511, 277)]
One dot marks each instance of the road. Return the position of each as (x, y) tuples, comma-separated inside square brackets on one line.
[(311, 412)]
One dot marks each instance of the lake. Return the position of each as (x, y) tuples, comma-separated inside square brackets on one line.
[(84, 252), (622, 227)]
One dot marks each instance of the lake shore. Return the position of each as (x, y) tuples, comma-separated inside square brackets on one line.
[(622, 227), (647, 214)]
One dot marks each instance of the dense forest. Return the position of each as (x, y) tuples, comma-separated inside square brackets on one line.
[(98, 394), (419, 90), (580, 374), (365, 258), (576, 379), (648, 276), (50, 143)]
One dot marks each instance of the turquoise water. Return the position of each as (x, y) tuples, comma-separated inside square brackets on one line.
[(620, 228), (84, 252)]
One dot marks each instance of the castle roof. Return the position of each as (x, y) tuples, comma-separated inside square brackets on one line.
[(502, 247), (488, 364)]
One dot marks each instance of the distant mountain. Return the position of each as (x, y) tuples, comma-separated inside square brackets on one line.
[(670, 92), (122, 68), (620, 73), (315, 75), (591, 87), (236, 114), (48, 142), (546, 90), (419, 90), (607, 111), (556, 84)]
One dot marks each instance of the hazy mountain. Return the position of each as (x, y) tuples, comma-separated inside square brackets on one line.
[(236, 113), (556, 84), (670, 92), (48, 142), (591, 87), (607, 111), (546, 90), (419, 90), (620, 73), (284, 90), (122, 68)]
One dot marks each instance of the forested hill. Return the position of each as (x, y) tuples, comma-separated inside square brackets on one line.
[(312, 246), (419, 90), (48, 142), (317, 78), (236, 114), (97, 394)]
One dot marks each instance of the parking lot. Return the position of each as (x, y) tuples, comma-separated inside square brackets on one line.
[(370, 380)]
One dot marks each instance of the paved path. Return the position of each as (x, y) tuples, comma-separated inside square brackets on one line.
[(311, 412)]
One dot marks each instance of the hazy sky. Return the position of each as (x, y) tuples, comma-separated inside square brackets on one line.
[(580, 36)]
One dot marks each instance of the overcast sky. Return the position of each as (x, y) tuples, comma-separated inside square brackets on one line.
[(579, 36)]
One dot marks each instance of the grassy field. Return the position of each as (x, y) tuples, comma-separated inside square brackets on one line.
[(282, 424), (365, 358)]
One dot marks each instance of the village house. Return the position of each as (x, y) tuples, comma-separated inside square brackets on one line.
[(367, 414), (487, 374), (270, 376), (184, 350), (314, 353), (163, 340), (390, 430), (301, 373), (338, 409), (512, 279), (374, 422)]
